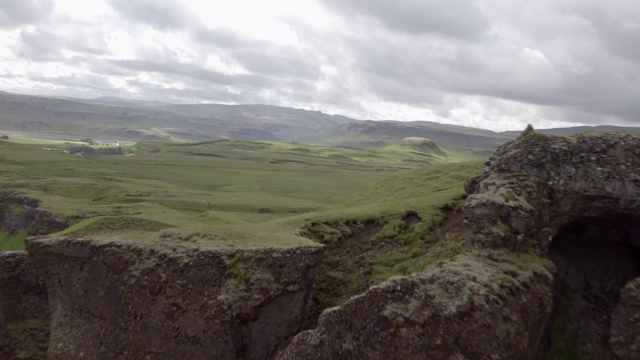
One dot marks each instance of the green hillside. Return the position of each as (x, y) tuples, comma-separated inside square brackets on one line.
[(382, 133), (235, 189)]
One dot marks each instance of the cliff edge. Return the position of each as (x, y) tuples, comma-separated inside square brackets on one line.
[(118, 299)]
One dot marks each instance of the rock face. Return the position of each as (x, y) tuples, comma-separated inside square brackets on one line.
[(625, 344), (113, 299), (536, 184), (481, 306), (572, 199), (24, 308), (577, 200)]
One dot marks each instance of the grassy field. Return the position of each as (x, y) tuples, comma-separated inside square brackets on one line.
[(246, 193)]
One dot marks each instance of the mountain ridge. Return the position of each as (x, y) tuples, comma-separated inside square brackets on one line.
[(126, 119)]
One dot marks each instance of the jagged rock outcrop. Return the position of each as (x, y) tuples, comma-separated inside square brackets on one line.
[(536, 184), (19, 213), (118, 299), (574, 199), (480, 306), (24, 308)]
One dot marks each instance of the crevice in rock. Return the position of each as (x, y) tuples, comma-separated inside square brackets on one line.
[(19, 213), (595, 258)]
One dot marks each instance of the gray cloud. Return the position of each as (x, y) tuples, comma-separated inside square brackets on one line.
[(17, 13), (224, 38), (191, 71), (161, 15), (39, 45), (42, 45), (537, 55), (456, 18), (278, 62)]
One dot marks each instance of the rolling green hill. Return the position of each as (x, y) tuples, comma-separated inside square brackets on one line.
[(226, 186), (383, 133)]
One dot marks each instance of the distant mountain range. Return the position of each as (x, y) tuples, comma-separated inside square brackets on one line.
[(115, 118)]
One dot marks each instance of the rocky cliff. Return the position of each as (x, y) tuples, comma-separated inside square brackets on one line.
[(536, 184), (553, 250), (473, 307), (118, 299)]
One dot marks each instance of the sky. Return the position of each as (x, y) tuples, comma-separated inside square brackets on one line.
[(493, 64)]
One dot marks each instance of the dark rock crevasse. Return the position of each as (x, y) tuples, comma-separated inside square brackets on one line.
[(595, 259), (20, 213), (113, 299)]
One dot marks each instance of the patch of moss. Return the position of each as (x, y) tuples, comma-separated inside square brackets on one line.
[(564, 341), (12, 243), (502, 228), (390, 231), (30, 339), (245, 279)]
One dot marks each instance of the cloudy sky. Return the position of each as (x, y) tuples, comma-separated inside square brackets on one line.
[(496, 64)]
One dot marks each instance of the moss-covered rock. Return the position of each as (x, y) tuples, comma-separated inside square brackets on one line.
[(475, 306)]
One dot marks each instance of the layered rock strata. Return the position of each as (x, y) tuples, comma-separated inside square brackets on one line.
[(115, 299)]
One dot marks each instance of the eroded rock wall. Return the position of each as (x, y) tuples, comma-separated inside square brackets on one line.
[(24, 308), (576, 199), (114, 299)]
